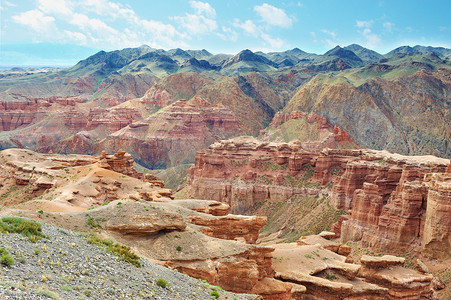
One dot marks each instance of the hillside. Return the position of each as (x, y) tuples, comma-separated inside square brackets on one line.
[(397, 102), (67, 264)]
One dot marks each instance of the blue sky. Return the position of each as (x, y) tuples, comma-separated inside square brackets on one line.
[(61, 32)]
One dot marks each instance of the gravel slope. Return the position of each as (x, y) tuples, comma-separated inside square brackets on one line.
[(66, 266)]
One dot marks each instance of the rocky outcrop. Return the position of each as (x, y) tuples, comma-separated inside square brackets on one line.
[(388, 200), (387, 271), (120, 162), (174, 134), (436, 240), (232, 227), (313, 263), (387, 195), (88, 193)]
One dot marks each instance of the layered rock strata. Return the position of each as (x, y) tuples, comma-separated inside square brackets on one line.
[(317, 264), (396, 204), (87, 193), (174, 134)]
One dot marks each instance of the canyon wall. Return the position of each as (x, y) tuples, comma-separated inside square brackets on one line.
[(395, 203)]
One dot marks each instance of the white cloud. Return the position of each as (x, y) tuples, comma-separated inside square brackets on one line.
[(6, 3), (330, 43), (249, 27), (95, 24), (331, 33), (203, 8), (274, 42), (200, 23), (55, 7), (273, 16), (36, 20), (197, 25), (76, 37), (86, 23), (373, 40), (362, 24), (388, 26), (228, 34)]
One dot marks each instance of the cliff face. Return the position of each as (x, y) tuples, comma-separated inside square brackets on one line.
[(388, 197), (197, 237), (396, 203), (393, 114), (174, 134)]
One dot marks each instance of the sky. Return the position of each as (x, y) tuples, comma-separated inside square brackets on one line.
[(62, 32)]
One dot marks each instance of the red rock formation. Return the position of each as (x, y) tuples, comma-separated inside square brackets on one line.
[(175, 133), (436, 240), (313, 131), (232, 227), (387, 201), (386, 271), (386, 194), (120, 162)]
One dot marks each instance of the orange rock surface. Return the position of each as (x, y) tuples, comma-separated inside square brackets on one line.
[(396, 204)]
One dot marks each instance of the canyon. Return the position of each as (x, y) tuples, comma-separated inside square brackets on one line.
[(305, 173), (394, 203), (105, 195)]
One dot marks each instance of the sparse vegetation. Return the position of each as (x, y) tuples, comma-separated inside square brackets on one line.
[(5, 258), (331, 276), (162, 282), (92, 223), (178, 248), (214, 294), (66, 288), (27, 228), (121, 251)]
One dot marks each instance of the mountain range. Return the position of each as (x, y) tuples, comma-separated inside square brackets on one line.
[(151, 101)]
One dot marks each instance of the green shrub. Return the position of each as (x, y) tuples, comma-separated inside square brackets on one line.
[(5, 258), (178, 248), (331, 276), (121, 251), (27, 228), (162, 282), (214, 294)]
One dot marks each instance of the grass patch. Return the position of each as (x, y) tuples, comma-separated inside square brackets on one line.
[(123, 252), (92, 223), (5, 258), (27, 228), (66, 288), (331, 276), (162, 282)]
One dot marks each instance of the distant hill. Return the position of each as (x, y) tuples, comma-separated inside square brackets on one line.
[(366, 55), (153, 101), (439, 51)]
